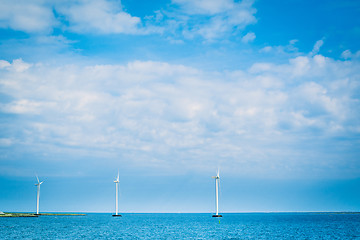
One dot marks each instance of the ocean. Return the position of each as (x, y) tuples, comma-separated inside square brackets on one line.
[(185, 226)]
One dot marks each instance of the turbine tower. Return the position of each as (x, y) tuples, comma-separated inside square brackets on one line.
[(38, 195), (116, 196), (217, 182)]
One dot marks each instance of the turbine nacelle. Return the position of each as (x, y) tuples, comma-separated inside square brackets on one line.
[(116, 182), (38, 184), (117, 179), (37, 178), (217, 175)]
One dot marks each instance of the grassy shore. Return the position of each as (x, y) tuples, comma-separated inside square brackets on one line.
[(7, 214), (62, 214), (18, 215)]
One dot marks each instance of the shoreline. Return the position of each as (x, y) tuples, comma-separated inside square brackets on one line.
[(19, 214), (10, 214)]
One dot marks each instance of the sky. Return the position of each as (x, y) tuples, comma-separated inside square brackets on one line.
[(168, 91)]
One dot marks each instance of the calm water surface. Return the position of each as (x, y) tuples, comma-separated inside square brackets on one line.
[(184, 226)]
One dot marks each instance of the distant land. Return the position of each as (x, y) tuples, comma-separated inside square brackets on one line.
[(11, 214), (8, 214), (62, 214), (18, 215)]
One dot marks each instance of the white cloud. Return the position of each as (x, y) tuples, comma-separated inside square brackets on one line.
[(283, 50), (261, 67), (99, 17), (20, 66), (28, 16), (301, 65), (317, 47), (293, 41), (347, 54), (82, 16), (17, 65), (208, 7), (212, 19), (5, 142), (181, 116), (4, 64), (24, 106), (249, 37), (266, 49)]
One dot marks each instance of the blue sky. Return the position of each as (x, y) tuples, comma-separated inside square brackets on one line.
[(169, 91)]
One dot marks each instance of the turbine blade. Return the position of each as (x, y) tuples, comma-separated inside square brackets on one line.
[(37, 178)]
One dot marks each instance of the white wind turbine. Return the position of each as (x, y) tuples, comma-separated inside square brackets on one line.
[(38, 194), (217, 183), (116, 196)]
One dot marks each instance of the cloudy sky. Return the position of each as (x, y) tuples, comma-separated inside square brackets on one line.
[(167, 92)]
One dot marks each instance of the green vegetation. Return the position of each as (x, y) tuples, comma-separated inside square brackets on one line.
[(18, 215), (62, 214), (7, 214)]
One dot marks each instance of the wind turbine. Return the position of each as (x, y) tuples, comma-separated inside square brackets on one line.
[(217, 183), (116, 196), (38, 195)]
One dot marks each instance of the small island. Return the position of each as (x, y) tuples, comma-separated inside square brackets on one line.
[(61, 214), (8, 214)]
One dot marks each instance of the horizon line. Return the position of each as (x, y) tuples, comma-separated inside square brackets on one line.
[(193, 212)]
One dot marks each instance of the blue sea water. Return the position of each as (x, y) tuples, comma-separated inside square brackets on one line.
[(184, 226)]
